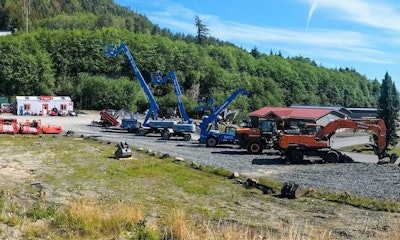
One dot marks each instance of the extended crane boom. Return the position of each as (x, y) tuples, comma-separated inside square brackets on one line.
[(112, 51), (157, 78), (205, 106), (204, 130)]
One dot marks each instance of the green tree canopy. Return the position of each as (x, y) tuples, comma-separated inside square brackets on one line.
[(388, 107)]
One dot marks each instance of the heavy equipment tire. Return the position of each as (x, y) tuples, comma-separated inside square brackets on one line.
[(142, 132), (255, 147), (211, 142), (187, 137), (296, 157), (165, 135), (332, 157)]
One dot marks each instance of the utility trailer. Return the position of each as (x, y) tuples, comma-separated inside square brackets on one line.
[(173, 128), (168, 129), (107, 119)]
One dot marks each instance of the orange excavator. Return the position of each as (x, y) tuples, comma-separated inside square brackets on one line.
[(295, 145)]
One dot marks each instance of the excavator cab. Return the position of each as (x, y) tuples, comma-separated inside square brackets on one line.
[(311, 128), (269, 133), (268, 129)]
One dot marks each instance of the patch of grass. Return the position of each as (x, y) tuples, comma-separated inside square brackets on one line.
[(367, 149), (42, 211), (360, 202), (361, 148), (277, 186), (177, 225), (12, 214), (146, 197), (2, 199), (86, 218)]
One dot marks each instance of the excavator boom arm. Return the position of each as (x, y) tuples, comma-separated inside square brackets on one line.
[(379, 130), (214, 114), (158, 79)]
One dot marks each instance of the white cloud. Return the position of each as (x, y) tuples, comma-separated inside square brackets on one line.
[(377, 14), (318, 44), (310, 13)]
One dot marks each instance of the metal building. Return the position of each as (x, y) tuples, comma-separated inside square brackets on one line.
[(42, 105)]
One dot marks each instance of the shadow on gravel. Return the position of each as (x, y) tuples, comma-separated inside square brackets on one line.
[(268, 161), (198, 145), (231, 152), (92, 136), (189, 145)]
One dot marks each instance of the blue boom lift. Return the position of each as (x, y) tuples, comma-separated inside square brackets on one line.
[(212, 137), (156, 78), (185, 127), (155, 126), (207, 106), (132, 125)]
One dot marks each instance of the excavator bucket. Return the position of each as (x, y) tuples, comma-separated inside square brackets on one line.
[(393, 158), (123, 151), (344, 158), (388, 158)]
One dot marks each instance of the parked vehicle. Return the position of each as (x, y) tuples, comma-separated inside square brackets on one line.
[(54, 112), (259, 134), (213, 137), (72, 113), (294, 146)]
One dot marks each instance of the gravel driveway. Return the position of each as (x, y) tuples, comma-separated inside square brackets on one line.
[(363, 178)]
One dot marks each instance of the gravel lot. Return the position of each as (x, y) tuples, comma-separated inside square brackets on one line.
[(362, 178)]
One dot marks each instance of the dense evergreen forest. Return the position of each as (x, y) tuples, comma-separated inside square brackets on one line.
[(63, 54)]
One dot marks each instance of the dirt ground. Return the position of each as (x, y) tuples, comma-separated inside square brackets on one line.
[(13, 169), (346, 221)]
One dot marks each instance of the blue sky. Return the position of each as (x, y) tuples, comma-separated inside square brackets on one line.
[(359, 34)]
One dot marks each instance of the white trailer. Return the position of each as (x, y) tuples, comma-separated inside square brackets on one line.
[(42, 105)]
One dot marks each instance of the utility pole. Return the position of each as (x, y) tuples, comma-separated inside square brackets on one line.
[(27, 9)]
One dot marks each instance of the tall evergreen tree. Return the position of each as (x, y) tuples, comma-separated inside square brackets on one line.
[(388, 106), (255, 53), (202, 31)]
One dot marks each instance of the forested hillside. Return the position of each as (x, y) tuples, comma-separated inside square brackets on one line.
[(63, 54)]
